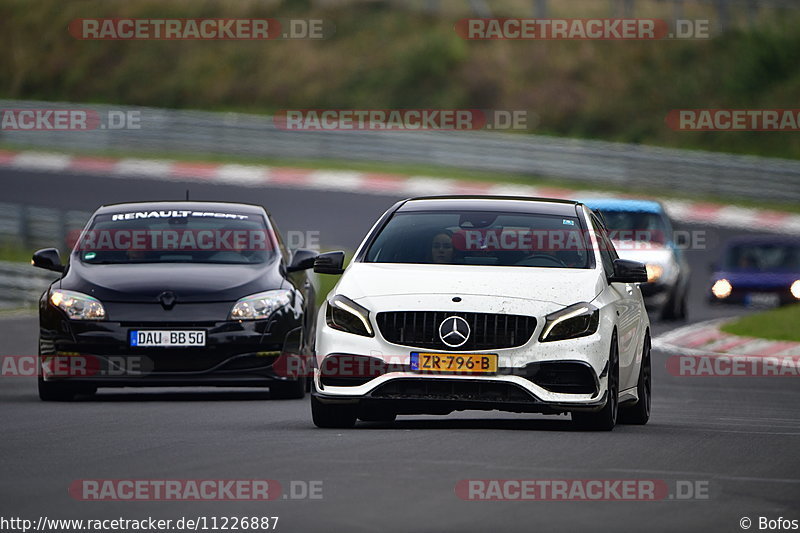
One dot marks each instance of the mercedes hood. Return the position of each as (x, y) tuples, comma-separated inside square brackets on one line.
[(562, 286)]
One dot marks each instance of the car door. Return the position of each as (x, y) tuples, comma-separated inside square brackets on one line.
[(628, 306)]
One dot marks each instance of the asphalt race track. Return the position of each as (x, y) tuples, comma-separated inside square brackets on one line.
[(736, 436)]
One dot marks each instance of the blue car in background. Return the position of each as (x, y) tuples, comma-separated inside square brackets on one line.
[(757, 271), (642, 231)]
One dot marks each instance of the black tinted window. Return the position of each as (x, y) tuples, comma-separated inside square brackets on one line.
[(478, 238), (762, 257), (176, 236), (637, 226)]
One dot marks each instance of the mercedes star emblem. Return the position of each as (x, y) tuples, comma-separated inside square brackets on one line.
[(454, 331)]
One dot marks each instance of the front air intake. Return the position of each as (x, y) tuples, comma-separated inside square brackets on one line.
[(420, 329)]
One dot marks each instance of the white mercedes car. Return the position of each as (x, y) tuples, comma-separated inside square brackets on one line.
[(491, 303)]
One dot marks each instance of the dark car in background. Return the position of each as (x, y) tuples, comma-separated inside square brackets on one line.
[(174, 294), (757, 271), (642, 231)]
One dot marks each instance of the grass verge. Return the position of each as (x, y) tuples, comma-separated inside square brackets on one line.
[(777, 324), (15, 253)]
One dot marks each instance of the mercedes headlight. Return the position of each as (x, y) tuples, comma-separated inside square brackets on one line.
[(575, 321), (345, 315), (78, 306), (260, 306)]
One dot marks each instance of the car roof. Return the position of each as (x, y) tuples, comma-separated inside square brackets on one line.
[(523, 204), (763, 239), (624, 204), (181, 206)]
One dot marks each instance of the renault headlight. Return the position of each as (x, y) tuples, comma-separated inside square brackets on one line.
[(77, 306), (345, 315), (575, 321), (260, 306)]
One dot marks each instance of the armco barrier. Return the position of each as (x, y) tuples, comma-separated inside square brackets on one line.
[(623, 165)]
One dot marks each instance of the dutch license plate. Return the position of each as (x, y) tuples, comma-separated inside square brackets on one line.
[(763, 299), (166, 338), (459, 363)]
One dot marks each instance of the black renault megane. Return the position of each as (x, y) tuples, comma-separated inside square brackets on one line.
[(173, 294)]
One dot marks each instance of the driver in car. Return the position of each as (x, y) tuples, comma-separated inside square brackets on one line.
[(442, 250)]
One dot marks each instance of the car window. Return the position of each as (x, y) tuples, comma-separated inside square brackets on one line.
[(637, 226), (176, 237), (481, 238), (764, 257)]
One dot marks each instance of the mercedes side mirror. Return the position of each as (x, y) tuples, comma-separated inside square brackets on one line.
[(329, 263), (627, 271)]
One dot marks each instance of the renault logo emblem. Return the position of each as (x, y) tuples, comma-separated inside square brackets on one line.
[(167, 299), (454, 331)]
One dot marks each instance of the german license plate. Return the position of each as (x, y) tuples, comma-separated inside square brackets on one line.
[(454, 363), (167, 338), (763, 299)]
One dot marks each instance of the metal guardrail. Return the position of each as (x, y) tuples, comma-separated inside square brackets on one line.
[(21, 285), (29, 228), (32, 227), (622, 165)]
